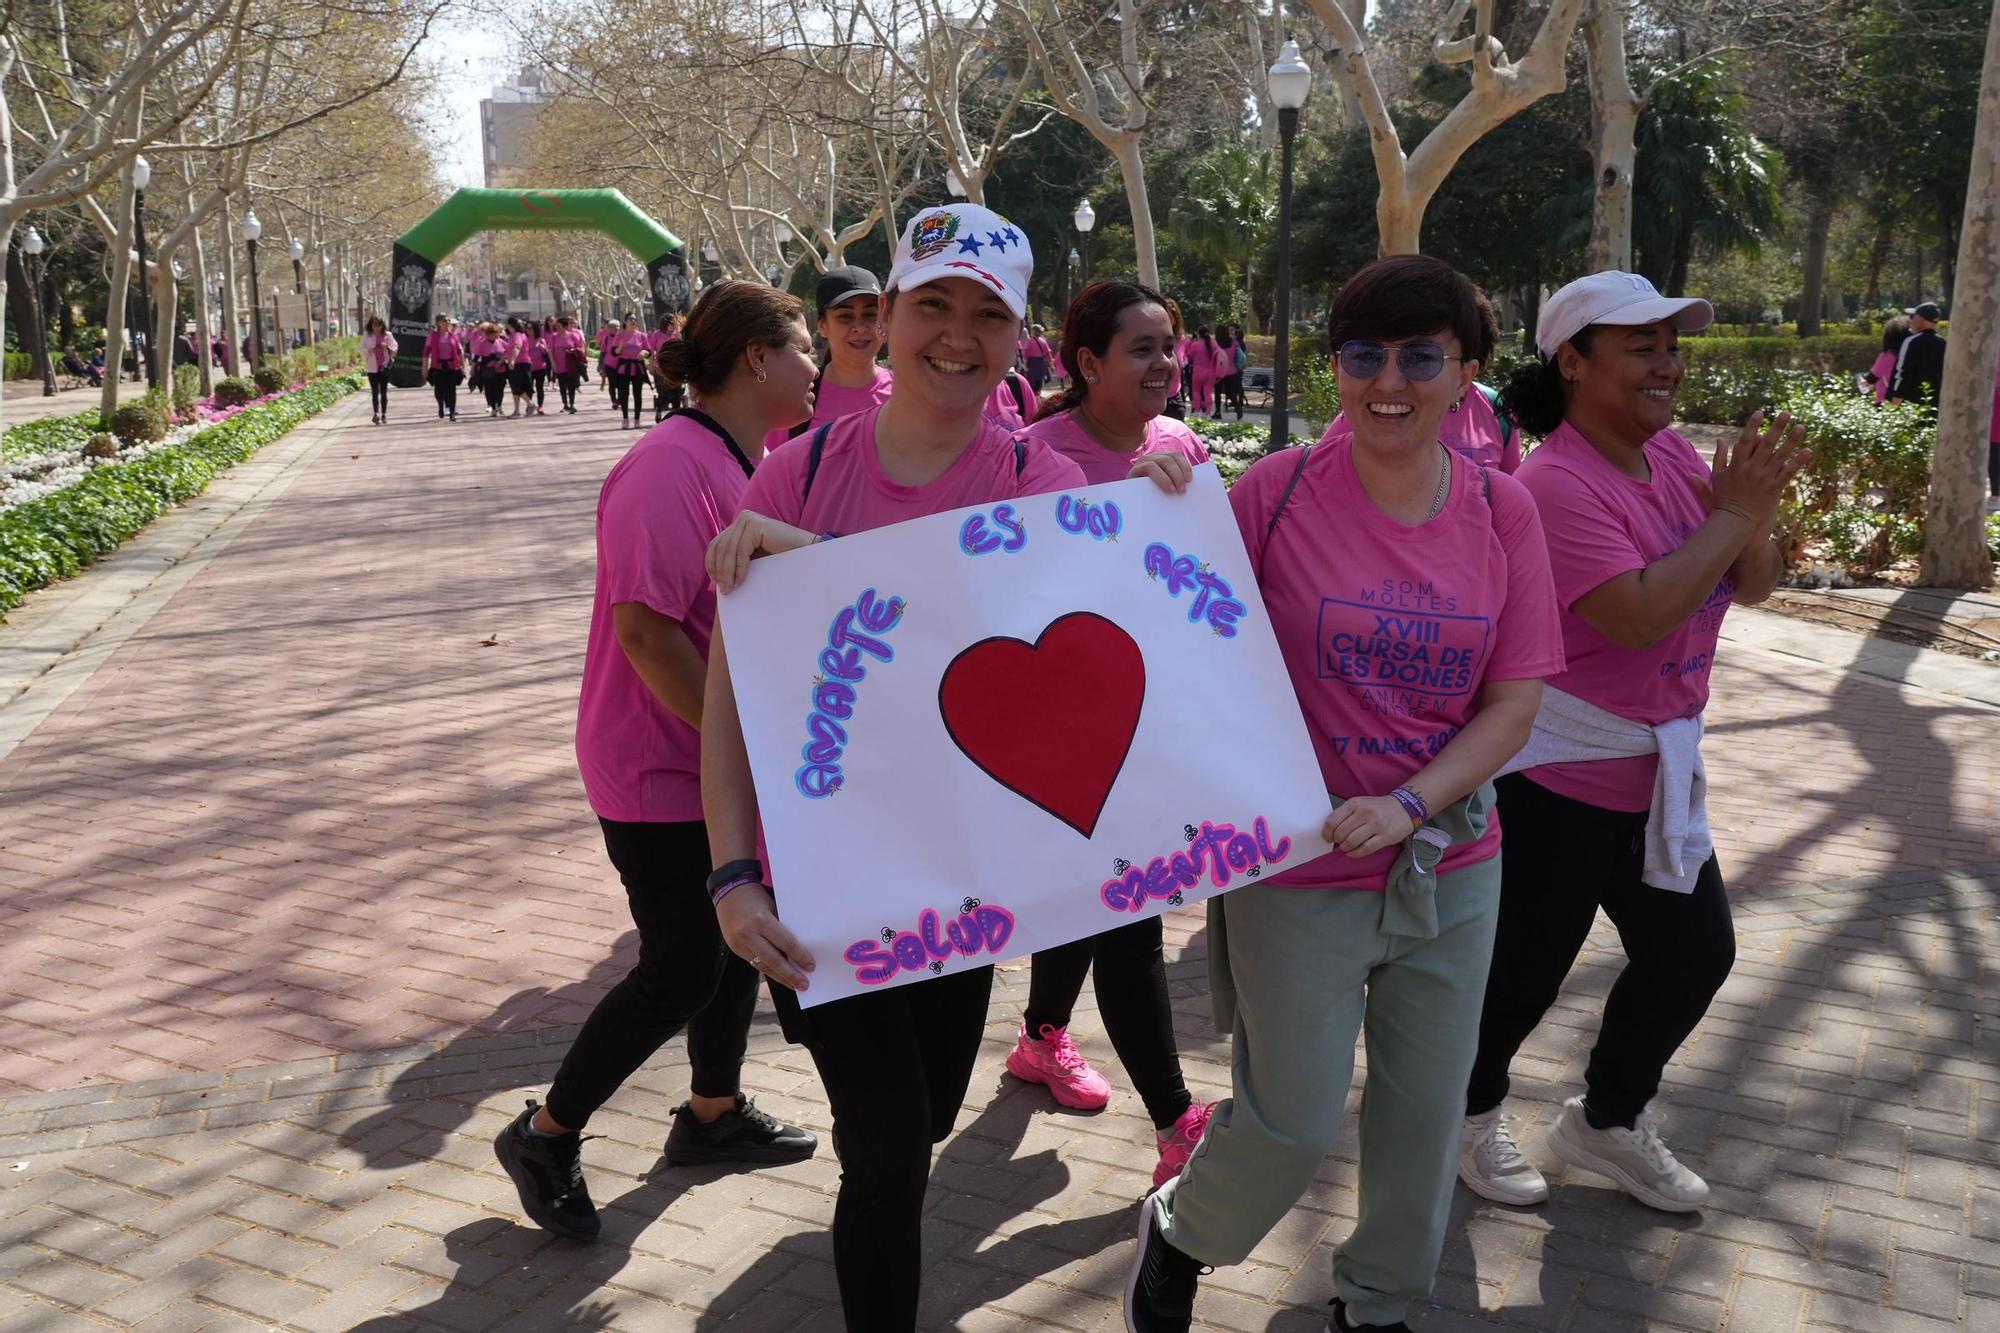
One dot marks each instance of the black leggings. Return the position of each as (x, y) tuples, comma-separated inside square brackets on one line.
[(628, 391), (685, 977), (444, 384), (1564, 860), (1993, 467), (1131, 971), (896, 1065), (566, 383), (541, 386), (495, 384), (378, 390)]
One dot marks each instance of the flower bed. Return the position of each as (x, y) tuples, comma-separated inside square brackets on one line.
[(63, 528)]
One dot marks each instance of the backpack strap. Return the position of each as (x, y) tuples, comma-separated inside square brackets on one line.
[(1020, 394), (812, 462), (1020, 456), (1285, 497), (1492, 398)]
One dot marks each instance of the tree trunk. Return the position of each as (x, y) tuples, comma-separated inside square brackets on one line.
[(6, 244), (204, 361), (1399, 225), (1614, 124), (1878, 259), (231, 357), (1132, 168), (21, 302), (1819, 222), (117, 298), (1954, 519), (1683, 254), (1947, 270)]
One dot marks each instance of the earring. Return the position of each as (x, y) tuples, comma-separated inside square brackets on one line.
[(1090, 379), (1454, 406), (760, 372)]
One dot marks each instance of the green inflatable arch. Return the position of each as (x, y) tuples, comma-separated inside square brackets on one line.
[(419, 251)]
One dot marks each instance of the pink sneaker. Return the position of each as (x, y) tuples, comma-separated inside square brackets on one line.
[(1056, 1061), (1177, 1144)]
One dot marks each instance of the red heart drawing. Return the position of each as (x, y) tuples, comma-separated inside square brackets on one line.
[(1053, 720)]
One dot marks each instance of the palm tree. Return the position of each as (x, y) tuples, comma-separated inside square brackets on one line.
[(1702, 178), (1227, 209)]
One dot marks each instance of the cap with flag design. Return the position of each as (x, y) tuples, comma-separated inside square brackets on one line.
[(965, 241)]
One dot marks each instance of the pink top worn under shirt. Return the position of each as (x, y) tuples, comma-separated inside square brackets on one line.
[(1164, 435), (1389, 630), (837, 400), (1473, 430), (377, 351), (442, 350), (1601, 523), (661, 505)]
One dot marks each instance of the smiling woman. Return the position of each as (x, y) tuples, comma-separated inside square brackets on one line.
[(1649, 548)]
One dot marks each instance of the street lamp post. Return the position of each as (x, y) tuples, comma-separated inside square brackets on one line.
[(252, 229), (32, 246), (1290, 84), (142, 173), (1085, 219), (179, 273)]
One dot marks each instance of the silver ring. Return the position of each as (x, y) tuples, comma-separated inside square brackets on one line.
[(757, 962)]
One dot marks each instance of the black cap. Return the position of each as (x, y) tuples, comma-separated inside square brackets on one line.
[(1928, 309), (845, 283)]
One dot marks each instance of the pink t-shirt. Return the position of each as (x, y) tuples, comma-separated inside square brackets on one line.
[(566, 351), (484, 347), (1389, 630), (1036, 349), (834, 401), (1202, 361), (1474, 430), (441, 350), (1066, 436), (1880, 374), (1602, 523), (1223, 360), (661, 505), (378, 350), (1004, 407), (629, 351), (851, 492), (535, 351)]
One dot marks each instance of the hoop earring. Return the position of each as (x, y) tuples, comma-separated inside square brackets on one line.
[(1455, 406), (760, 373)]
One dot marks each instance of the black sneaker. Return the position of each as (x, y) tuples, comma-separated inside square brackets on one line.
[(548, 1171), (1159, 1293), (1339, 1324), (745, 1135)]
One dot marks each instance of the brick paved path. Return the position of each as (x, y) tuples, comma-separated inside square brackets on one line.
[(300, 895)]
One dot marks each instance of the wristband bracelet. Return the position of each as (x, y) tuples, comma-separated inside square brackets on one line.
[(1413, 805), (716, 896), (730, 871)]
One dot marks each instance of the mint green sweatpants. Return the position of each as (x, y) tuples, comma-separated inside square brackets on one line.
[(1312, 970)]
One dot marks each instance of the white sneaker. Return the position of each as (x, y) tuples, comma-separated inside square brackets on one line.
[(1636, 1159), (1491, 1165)]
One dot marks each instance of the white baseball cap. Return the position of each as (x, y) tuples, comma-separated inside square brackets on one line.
[(965, 241), (1612, 297)]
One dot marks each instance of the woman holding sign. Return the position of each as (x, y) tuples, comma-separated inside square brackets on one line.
[(1411, 598), (1652, 547), (638, 745), (1118, 349), (896, 1062)]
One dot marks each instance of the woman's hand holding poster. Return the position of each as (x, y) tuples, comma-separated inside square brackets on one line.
[(983, 733)]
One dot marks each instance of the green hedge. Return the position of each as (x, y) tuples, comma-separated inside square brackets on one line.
[(1863, 494), (58, 535), (20, 366)]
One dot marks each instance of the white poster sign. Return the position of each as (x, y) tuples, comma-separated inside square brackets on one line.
[(983, 733)]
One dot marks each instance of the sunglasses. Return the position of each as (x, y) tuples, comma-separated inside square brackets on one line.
[(1363, 358)]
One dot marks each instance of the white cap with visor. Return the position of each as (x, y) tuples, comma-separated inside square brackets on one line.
[(1612, 297)]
